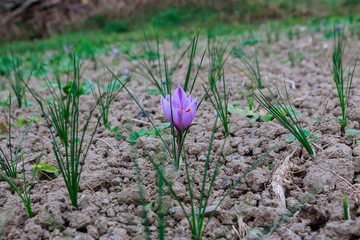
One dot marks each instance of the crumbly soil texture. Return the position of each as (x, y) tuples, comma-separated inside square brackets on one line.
[(288, 195)]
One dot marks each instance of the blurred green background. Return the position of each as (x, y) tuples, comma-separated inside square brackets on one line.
[(105, 21)]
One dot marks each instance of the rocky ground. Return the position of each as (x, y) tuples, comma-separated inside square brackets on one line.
[(109, 199)]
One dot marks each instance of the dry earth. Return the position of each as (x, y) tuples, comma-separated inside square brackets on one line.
[(108, 197)]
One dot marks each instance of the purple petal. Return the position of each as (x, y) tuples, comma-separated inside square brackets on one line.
[(189, 114), (187, 102), (165, 104), (176, 118), (178, 97)]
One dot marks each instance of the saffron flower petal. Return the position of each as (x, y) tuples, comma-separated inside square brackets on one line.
[(183, 109), (189, 114)]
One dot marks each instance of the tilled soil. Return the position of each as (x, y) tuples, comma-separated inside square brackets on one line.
[(108, 197)]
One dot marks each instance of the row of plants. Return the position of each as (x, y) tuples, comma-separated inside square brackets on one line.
[(71, 140)]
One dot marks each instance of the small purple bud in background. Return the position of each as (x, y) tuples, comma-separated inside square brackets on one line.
[(65, 48), (116, 52), (262, 26), (338, 26), (126, 72)]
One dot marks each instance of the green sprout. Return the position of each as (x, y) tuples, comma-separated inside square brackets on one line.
[(289, 33), (269, 117), (21, 121), (269, 165), (306, 132), (254, 116), (315, 118), (144, 132), (354, 133), (346, 208), (114, 132), (45, 169)]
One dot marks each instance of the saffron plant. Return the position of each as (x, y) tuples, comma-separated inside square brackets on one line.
[(180, 114), (62, 113), (180, 110), (286, 116), (15, 75), (338, 70), (9, 172), (106, 95), (21, 186), (219, 102), (9, 162), (253, 69), (198, 218), (217, 54)]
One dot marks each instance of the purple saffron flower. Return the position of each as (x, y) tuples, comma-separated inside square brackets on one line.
[(116, 51), (183, 108), (126, 72)]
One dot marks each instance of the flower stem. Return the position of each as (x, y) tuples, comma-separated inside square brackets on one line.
[(180, 137)]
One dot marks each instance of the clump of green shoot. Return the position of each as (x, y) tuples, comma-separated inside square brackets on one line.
[(268, 34), (277, 32), (154, 65), (253, 69), (218, 55), (286, 116), (61, 113), (343, 83), (247, 90), (9, 173), (219, 99), (21, 186), (289, 33), (15, 76), (9, 162), (104, 96)]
